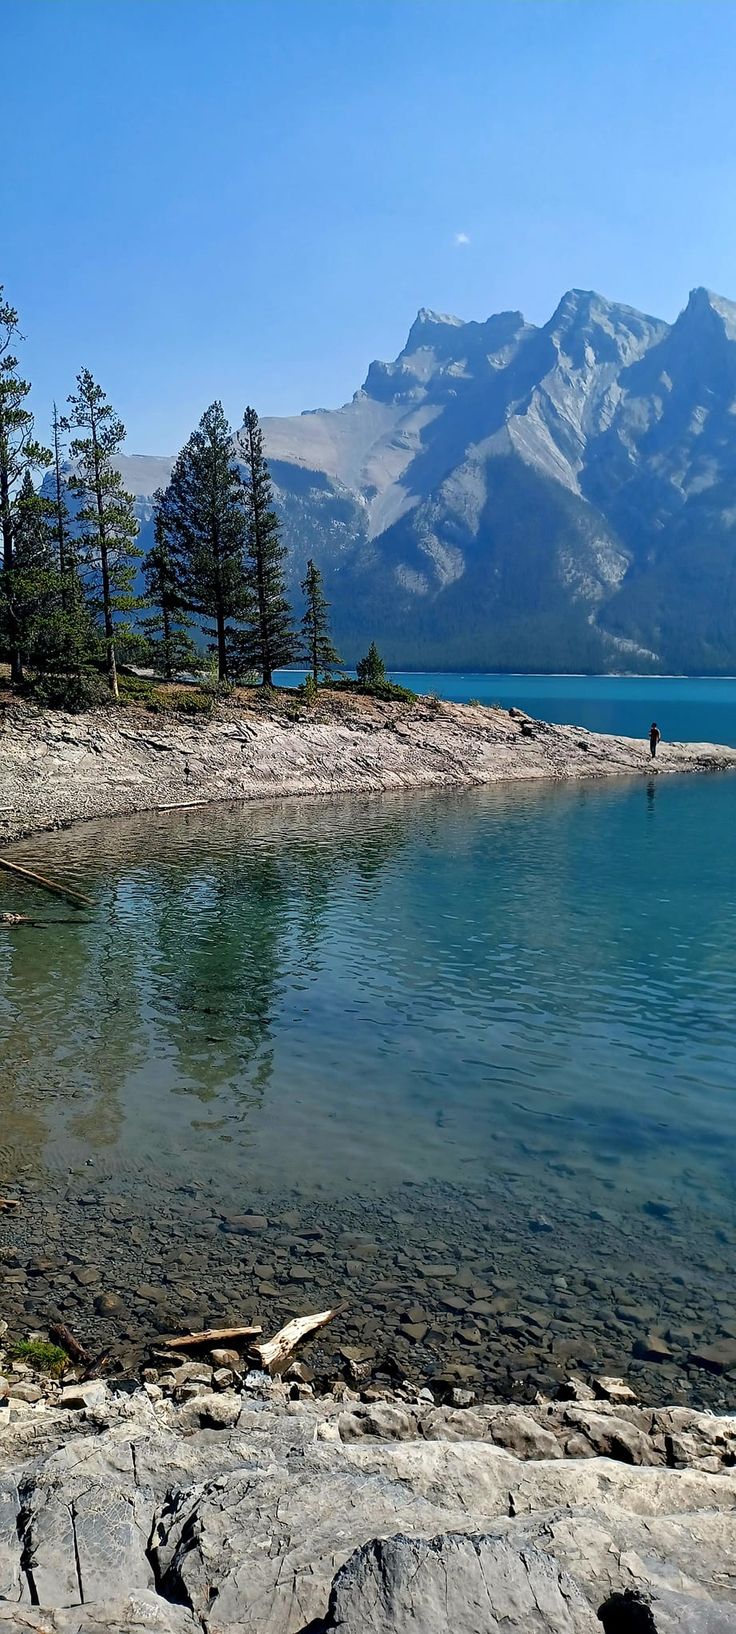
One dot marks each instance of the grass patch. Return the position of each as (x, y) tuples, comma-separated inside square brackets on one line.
[(41, 1355)]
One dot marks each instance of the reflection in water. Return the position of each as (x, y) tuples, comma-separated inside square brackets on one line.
[(346, 994)]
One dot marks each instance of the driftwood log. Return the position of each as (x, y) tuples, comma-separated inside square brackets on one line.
[(211, 1336), (274, 1354), (9, 1202), (62, 1335), (67, 891)]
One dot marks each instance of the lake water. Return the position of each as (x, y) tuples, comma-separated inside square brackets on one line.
[(687, 710), (472, 1053)]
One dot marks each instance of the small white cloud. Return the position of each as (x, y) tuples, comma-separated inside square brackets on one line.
[(461, 238)]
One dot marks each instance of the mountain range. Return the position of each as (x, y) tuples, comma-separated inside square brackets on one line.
[(507, 496)]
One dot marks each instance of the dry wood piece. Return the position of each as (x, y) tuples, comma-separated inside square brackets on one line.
[(274, 1354), (9, 1202), (210, 1336), (47, 884), (15, 919), (63, 1336)]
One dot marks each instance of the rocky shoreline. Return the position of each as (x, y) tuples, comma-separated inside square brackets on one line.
[(57, 769), (195, 1509)]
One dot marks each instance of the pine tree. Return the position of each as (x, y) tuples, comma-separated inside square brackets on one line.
[(76, 642), (371, 671), (19, 452), (268, 641), (107, 527), (205, 520), (168, 626), (320, 653), (32, 584)]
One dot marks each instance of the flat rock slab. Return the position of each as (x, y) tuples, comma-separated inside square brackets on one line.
[(291, 1518)]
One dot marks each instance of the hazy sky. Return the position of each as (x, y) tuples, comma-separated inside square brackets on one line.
[(249, 199)]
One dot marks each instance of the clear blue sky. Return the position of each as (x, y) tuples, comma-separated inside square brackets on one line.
[(250, 198)]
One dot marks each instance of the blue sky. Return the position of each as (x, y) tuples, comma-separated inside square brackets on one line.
[(249, 199)]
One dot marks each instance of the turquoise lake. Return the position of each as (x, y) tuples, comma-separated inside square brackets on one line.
[(518, 1001)]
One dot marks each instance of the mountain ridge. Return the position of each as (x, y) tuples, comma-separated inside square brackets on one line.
[(507, 495)]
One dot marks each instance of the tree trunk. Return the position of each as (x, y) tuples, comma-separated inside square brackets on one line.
[(221, 645), (315, 665), (168, 665)]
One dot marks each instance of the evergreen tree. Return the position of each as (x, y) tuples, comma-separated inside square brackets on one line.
[(107, 527), (74, 640), (205, 521), (19, 453), (371, 671), (62, 527), (320, 653), (32, 584), (268, 641), (168, 626)]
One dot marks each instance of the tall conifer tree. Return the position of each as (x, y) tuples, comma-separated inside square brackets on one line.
[(167, 626), (32, 584), (268, 641), (205, 517), (19, 452), (106, 522), (320, 653)]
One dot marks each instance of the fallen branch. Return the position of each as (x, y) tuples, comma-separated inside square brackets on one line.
[(47, 884), (9, 1202), (63, 1336), (15, 919), (274, 1354), (210, 1336)]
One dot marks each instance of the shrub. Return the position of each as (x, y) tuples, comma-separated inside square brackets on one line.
[(309, 691), (136, 689), (37, 1353), (387, 691), (73, 693)]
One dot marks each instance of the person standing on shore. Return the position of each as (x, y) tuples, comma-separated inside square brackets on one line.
[(654, 737)]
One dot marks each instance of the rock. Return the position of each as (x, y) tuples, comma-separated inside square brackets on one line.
[(385, 1422), (458, 1397), (109, 1305), (89, 1397), (610, 1436), (245, 1224), (664, 1612), (472, 1585), (226, 1358), (23, 1390), (654, 1349), (415, 1331), (717, 1358), (607, 1388), (576, 1390), (127, 1614), (521, 1434)]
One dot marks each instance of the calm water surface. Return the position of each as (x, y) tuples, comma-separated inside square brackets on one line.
[(433, 1017), (349, 994)]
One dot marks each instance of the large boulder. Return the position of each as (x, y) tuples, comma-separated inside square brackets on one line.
[(442, 1585)]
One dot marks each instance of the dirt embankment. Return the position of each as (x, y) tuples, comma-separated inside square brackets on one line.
[(57, 769)]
